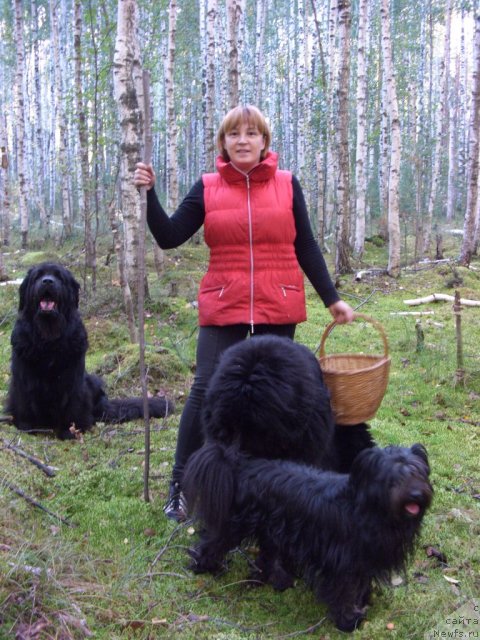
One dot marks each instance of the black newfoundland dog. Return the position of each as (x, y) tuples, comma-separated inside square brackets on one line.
[(49, 387), (340, 532), (267, 398)]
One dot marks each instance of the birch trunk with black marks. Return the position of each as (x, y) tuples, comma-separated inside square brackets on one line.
[(470, 227), (172, 129), (342, 255), (20, 121), (61, 122), (395, 145), (128, 87)]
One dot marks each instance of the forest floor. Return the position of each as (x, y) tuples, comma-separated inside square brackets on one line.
[(106, 564)]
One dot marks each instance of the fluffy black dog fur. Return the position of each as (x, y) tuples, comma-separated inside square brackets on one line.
[(341, 532), (49, 387), (267, 398)]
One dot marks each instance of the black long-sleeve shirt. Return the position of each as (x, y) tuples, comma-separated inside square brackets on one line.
[(172, 231)]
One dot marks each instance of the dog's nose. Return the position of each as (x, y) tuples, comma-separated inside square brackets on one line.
[(419, 496), (47, 280)]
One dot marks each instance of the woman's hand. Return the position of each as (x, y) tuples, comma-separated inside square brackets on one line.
[(341, 312), (144, 176)]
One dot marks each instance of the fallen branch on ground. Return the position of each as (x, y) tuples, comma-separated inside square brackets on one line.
[(34, 502), (47, 469), (442, 297), (412, 313)]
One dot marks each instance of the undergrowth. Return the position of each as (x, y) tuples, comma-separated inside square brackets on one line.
[(104, 563)]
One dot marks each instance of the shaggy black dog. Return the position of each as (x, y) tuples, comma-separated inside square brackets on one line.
[(341, 532), (49, 387), (267, 398)]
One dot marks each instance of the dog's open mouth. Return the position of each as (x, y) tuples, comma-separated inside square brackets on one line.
[(47, 305), (412, 509)]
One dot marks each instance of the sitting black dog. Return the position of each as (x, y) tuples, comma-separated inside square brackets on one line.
[(341, 532), (267, 398), (49, 387)]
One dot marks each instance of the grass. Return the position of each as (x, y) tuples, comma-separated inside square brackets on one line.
[(118, 570)]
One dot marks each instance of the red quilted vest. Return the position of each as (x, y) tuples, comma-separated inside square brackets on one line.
[(253, 275)]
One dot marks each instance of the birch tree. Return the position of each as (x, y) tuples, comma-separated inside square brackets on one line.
[(60, 120), (234, 11), (440, 136), (172, 165), (332, 160), (362, 149), (384, 159), (394, 119), (20, 122), (209, 89), (4, 187), (453, 144), (259, 60), (342, 257), (39, 160), (470, 227), (128, 87), (84, 177)]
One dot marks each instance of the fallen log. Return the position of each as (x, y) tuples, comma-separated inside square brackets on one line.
[(412, 313), (442, 297)]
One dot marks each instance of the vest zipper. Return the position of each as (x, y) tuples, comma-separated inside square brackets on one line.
[(250, 234), (250, 238)]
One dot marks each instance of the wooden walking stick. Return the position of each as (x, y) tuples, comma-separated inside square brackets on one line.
[(147, 129)]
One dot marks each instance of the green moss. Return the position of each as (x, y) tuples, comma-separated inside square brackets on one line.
[(121, 569)]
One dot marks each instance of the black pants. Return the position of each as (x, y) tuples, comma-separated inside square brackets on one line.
[(212, 342)]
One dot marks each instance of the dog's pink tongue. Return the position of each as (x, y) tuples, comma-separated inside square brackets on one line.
[(412, 508), (47, 305)]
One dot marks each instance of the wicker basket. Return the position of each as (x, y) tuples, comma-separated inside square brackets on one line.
[(357, 382)]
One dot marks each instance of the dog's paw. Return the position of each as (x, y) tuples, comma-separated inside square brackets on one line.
[(351, 621), (281, 580), (204, 563)]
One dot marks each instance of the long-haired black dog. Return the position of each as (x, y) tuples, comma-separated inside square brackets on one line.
[(267, 398), (341, 532), (49, 387)]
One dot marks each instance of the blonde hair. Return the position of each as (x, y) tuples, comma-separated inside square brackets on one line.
[(238, 115)]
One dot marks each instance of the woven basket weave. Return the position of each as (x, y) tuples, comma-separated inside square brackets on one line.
[(357, 382)]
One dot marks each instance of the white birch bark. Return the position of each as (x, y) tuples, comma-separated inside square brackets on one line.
[(319, 161), (342, 255), (453, 146), (209, 90), (395, 148), (470, 226), (259, 60), (5, 222), (128, 88), (38, 184), (60, 121), (234, 10), (172, 129), (439, 132), (82, 136), (302, 91), (20, 121), (320, 156), (384, 160), (362, 148), (332, 160)]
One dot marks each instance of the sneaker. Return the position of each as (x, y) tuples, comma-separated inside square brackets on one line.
[(176, 505)]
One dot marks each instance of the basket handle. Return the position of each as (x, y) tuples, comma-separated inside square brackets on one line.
[(356, 316)]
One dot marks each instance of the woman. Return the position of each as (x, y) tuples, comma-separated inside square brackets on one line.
[(257, 228)]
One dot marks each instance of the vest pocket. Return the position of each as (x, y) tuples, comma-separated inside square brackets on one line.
[(286, 288), (217, 288)]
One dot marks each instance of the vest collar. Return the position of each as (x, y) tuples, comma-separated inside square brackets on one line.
[(260, 173)]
